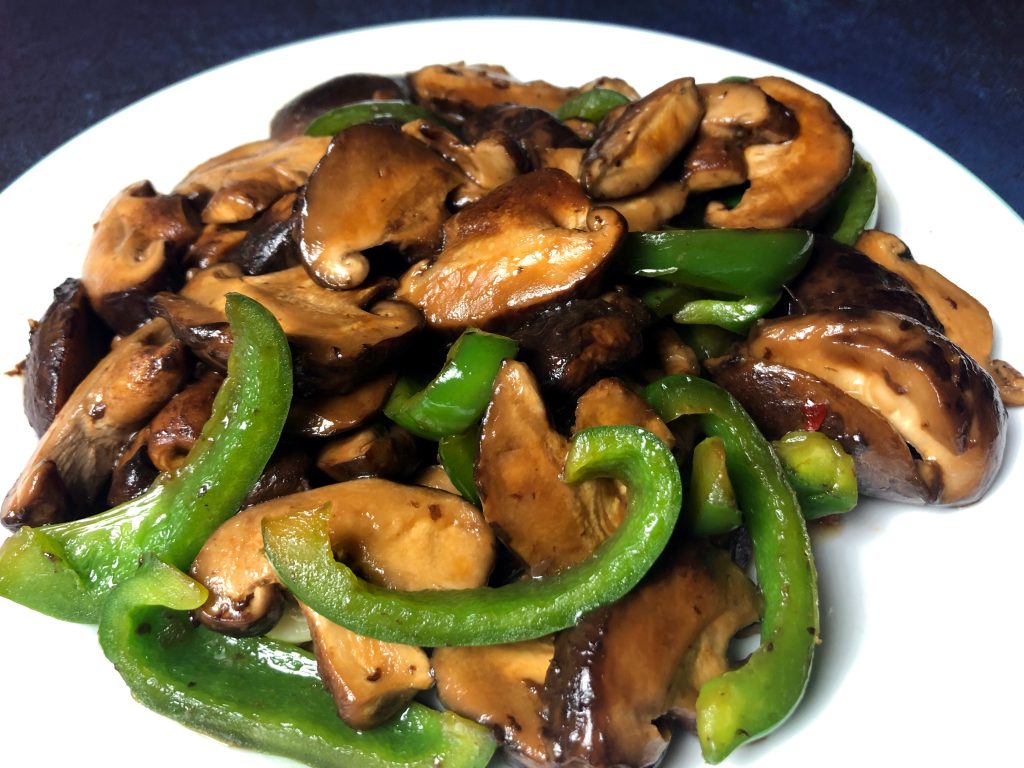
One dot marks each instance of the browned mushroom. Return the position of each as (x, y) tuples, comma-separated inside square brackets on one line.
[(333, 414), (531, 241), (269, 244), (293, 118), (370, 680), (380, 450), (571, 344), (611, 402), (736, 116), (405, 537), (133, 472), (487, 163), (937, 397), (840, 277), (62, 348), (175, 429), (500, 686), (791, 182), (534, 131), (782, 399), (213, 245), (624, 667), (238, 184), (138, 375), (375, 186), (133, 252), (287, 472), (631, 151), (458, 90), (339, 338)]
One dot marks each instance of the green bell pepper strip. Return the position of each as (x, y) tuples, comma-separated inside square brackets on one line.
[(855, 207), (455, 400), (458, 454), (749, 702), (337, 120), (708, 341), (690, 306), (66, 570), (593, 105), (259, 693), (738, 262), (820, 471), (298, 548), (710, 505)]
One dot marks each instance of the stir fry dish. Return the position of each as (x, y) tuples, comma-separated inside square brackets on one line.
[(463, 414)]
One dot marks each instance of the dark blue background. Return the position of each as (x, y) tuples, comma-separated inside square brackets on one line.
[(952, 71)]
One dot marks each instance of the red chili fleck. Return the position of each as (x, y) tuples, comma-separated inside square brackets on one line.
[(814, 415)]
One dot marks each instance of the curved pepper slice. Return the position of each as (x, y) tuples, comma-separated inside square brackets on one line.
[(753, 700), (455, 400), (740, 262), (458, 455), (337, 120), (66, 570), (259, 693), (855, 207), (711, 507), (298, 548), (592, 105)]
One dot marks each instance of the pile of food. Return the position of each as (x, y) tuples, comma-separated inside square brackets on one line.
[(517, 395)]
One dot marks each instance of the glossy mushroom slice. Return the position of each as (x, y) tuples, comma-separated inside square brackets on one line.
[(840, 277), (458, 90), (124, 390), (63, 347), (500, 686), (175, 429), (371, 681), (404, 537), (375, 186), (269, 244), (339, 338), (529, 242), (736, 116), (631, 151), (535, 131), (330, 415), (782, 399), (620, 671), (134, 252), (936, 396), (379, 450), (611, 402), (293, 118), (487, 163), (569, 345), (238, 184), (791, 182)]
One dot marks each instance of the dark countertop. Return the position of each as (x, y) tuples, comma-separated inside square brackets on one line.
[(951, 71)]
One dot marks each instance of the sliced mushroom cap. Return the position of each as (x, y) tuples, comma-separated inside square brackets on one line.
[(213, 245), (62, 348), (736, 116), (534, 131), (611, 402), (529, 242), (339, 338), (458, 90), (571, 344), (246, 180), (269, 244), (840, 277), (133, 472), (133, 252), (399, 536), (791, 182), (375, 186), (631, 151), (936, 396), (293, 118), (333, 414), (782, 399), (370, 680), (380, 450), (124, 390), (624, 667), (487, 163), (175, 429), (548, 524), (287, 472), (500, 686)]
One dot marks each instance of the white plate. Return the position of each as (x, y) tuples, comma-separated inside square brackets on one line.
[(918, 605)]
